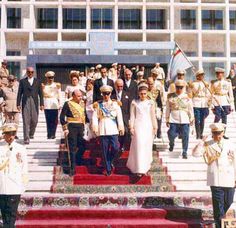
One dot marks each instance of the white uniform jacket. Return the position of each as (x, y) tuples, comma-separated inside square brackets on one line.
[(199, 91), (179, 109), (221, 162), (107, 118), (13, 168), (223, 92), (52, 95)]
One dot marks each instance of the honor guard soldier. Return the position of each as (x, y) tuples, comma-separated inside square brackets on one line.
[(180, 76), (13, 174), (108, 124), (220, 157), (52, 103), (179, 115), (73, 119), (4, 73), (155, 95), (223, 99), (199, 91)]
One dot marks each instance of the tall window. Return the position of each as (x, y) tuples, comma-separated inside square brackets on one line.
[(156, 19), (188, 19), (14, 68), (129, 19), (13, 18), (47, 18), (232, 19), (212, 19), (101, 19), (74, 18)]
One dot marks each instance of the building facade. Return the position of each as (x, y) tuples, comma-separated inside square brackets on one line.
[(204, 29)]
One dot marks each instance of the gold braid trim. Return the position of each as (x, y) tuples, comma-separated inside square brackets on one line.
[(4, 164), (77, 110), (208, 156)]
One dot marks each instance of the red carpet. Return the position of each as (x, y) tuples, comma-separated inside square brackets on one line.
[(73, 217)]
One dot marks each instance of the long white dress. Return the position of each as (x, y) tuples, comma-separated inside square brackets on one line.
[(143, 121)]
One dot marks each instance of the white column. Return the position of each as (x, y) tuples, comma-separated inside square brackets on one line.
[(227, 36), (144, 19), (172, 20), (60, 26), (88, 22), (115, 22), (199, 27), (32, 18), (3, 30)]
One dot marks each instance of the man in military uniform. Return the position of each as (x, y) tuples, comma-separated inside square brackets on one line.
[(180, 76), (72, 119), (155, 95), (13, 174), (161, 71), (4, 73), (223, 99), (108, 124), (232, 78), (52, 103), (220, 157), (179, 115), (10, 95), (199, 91)]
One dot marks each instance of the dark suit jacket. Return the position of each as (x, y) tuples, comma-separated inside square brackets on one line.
[(132, 90), (233, 81), (125, 108), (26, 90), (96, 89)]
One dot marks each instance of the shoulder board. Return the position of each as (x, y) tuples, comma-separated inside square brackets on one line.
[(170, 95), (58, 84), (95, 104), (118, 102), (213, 81)]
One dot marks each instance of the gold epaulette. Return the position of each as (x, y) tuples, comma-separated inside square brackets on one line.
[(58, 84), (213, 81), (170, 95), (95, 104), (118, 102)]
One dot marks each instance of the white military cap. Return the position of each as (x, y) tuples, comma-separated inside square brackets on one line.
[(9, 127), (219, 70), (99, 66), (106, 88), (180, 83), (200, 71), (217, 127), (50, 74), (133, 68), (140, 73), (179, 71), (157, 64), (92, 68), (114, 64)]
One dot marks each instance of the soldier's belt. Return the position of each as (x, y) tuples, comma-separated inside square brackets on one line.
[(220, 94), (75, 120), (48, 96), (199, 96)]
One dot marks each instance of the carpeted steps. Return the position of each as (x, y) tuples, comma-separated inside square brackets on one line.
[(90, 178)]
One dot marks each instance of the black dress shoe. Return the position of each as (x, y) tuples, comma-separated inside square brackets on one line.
[(26, 141), (184, 156), (72, 172), (53, 137), (108, 173), (16, 137), (171, 148), (225, 137), (31, 137)]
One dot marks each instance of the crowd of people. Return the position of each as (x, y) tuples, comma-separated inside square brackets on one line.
[(124, 108)]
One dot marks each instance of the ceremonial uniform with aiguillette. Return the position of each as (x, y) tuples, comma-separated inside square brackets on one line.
[(220, 157), (4, 73), (179, 115), (73, 118), (223, 99), (199, 91), (52, 104), (13, 176), (107, 123)]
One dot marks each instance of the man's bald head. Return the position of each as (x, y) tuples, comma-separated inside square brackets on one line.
[(128, 74), (77, 95), (119, 85), (30, 72)]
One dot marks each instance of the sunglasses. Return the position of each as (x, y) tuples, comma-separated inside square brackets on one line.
[(179, 87), (30, 72), (106, 93), (50, 77), (11, 80), (217, 132)]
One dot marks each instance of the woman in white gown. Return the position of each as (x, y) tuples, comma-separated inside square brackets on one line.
[(143, 127)]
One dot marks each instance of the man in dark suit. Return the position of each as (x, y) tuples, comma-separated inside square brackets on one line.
[(29, 93), (130, 86), (232, 78), (104, 80), (123, 97)]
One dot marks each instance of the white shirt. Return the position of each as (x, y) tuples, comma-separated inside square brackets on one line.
[(119, 95), (31, 80), (128, 83), (104, 81)]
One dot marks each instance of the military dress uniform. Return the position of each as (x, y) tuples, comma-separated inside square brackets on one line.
[(201, 98), (107, 122), (52, 104), (220, 158), (179, 115), (73, 118), (223, 99), (10, 108), (155, 95), (4, 73), (13, 177)]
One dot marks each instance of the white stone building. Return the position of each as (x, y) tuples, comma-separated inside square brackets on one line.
[(204, 29)]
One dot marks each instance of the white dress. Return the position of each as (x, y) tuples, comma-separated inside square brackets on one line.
[(143, 121)]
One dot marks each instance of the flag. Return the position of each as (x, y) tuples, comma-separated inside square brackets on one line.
[(178, 61)]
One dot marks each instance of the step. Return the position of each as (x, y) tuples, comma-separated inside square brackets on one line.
[(39, 186)]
